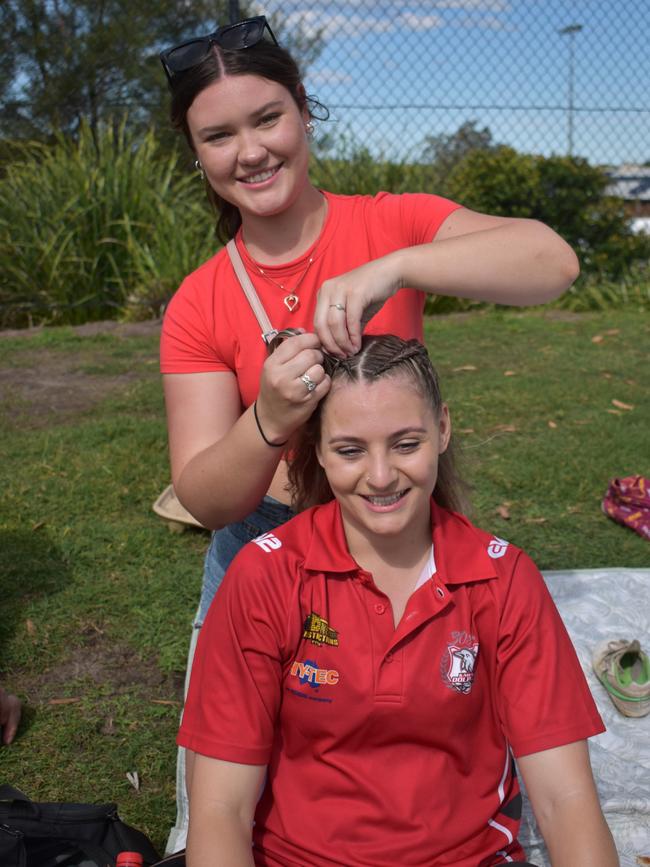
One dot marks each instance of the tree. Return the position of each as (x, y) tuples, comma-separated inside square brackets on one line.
[(68, 60), (445, 151)]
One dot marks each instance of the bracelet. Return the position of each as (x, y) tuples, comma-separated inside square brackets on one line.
[(259, 427)]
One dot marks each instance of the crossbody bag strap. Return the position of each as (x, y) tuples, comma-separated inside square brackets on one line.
[(268, 331)]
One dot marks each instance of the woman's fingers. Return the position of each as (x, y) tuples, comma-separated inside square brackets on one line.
[(346, 303), (293, 381)]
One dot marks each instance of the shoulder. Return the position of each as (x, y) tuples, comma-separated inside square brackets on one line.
[(202, 278), (279, 554), (471, 554)]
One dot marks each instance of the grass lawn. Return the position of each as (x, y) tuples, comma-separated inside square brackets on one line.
[(97, 594)]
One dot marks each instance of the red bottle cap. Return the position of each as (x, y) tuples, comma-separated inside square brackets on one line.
[(129, 859)]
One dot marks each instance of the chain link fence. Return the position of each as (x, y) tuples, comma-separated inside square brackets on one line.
[(543, 76)]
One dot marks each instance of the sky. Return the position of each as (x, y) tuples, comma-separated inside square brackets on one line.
[(393, 73)]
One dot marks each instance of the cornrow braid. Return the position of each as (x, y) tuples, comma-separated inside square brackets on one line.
[(380, 355)]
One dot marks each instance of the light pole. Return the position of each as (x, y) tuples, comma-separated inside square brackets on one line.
[(570, 31)]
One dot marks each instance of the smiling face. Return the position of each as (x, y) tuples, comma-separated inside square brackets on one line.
[(249, 135), (379, 447)]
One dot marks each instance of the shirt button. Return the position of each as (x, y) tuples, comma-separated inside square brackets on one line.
[(380, 608), (440, 592), (389, 657)]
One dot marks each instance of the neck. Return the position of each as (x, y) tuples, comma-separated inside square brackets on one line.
[(407, 551), (286, 236)]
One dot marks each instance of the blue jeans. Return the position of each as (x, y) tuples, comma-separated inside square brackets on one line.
[(224, 544)]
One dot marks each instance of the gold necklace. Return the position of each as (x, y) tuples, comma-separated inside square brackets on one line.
[(291, 300)]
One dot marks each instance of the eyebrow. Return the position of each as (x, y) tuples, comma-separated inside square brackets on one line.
[(396, 435), (208, 130)]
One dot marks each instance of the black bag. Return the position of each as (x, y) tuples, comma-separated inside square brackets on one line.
[(65, 835)]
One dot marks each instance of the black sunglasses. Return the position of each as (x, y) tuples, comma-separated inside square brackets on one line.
[(243, 34)]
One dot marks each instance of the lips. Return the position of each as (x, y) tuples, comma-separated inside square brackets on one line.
[(260, 177), (385, 501)]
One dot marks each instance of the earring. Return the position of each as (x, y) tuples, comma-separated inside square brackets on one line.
[(199, 168), (309, 129)]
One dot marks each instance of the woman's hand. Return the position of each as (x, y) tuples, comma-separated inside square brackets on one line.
[(293, 381), (346, 303)]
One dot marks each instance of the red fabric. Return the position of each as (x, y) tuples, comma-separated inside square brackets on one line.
[(384, 745), (209, 325), (627, 502)]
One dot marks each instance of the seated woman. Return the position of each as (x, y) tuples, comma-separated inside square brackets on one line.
[(380, 660)]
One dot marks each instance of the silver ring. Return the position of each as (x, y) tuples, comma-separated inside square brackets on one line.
[(309, 382), (339, 306)]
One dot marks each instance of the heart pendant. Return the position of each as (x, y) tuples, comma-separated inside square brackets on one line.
[(291, 302)]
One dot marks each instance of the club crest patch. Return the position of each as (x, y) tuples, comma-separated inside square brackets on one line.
[(317, 630), (497, 548), (459, 662)]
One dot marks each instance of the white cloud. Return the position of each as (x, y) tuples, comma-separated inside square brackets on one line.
[(329, 76), (312, 21), (413, 21)]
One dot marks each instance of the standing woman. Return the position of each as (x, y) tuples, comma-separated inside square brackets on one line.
[(328, 264)]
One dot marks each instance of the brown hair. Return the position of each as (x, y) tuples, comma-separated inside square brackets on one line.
[(380, 355), (266, 60)]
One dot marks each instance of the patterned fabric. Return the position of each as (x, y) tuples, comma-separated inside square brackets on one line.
[(627, 502)]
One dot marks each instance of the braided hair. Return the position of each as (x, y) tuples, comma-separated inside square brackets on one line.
[(381, 355)]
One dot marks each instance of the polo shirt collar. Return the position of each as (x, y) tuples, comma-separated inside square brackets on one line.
[(460, 549), (460, 552), (328, 547)]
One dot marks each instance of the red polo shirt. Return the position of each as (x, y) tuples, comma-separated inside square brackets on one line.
[(210, 326), (384, 745)]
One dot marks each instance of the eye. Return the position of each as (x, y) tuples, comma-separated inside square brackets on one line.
[(407, 446), (217, 136), (269, 119), (348, 452)]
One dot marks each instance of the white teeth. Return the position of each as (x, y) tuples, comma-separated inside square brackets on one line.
[(257, 179), (387, 500)]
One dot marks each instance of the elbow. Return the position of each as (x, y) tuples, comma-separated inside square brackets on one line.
[(560, 265)]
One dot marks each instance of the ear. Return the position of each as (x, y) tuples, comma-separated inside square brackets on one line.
[(444, 428), (302, 96), (319, 455)]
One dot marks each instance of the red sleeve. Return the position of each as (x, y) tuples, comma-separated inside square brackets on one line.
[(416, 216), (544, 699), (188, 342), (235, 686)]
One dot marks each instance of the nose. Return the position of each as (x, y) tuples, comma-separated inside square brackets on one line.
[(252, 151), (381, 474)]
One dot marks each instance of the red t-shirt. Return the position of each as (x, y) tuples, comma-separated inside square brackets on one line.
[(209, 325), (384, 745)]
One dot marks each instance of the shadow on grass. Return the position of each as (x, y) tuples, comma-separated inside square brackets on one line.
[(31, 567)]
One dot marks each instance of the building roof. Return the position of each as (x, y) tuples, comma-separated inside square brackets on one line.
[(629, 182)]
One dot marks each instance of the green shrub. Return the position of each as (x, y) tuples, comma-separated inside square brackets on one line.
[(94, 226), (565, 192)]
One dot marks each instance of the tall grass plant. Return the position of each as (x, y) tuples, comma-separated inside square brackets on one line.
[(96, 227)]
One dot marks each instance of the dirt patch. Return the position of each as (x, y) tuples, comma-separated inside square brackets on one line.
[(56, 386), (102, 662), (125, 329)]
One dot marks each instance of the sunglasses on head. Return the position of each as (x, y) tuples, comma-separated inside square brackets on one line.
[(243, 34)]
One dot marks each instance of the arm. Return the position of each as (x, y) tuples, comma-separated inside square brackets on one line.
[(223, 796), (563, 795), (496, 259), (221, 466)]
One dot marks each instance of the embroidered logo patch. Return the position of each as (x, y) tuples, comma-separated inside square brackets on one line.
[(309, 673), (459, 661), (497, 548), (317, 630), (268, 542)]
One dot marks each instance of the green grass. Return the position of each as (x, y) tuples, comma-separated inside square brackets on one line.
[(98, 596)]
